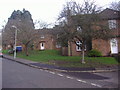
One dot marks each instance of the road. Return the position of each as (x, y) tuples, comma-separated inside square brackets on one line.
[(15, 75), (0, 73)]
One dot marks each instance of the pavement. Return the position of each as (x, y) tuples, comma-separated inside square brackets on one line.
[(58, 68)]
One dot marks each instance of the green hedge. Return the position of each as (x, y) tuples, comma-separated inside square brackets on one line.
[(94, 53)]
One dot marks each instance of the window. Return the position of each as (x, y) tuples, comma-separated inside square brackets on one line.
[(112, 24), (42, 36), (58, 45), (78, 48), (79, 28), (113, 42)]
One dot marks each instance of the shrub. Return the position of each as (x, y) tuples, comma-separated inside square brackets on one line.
[(94, 53), (117, 57)]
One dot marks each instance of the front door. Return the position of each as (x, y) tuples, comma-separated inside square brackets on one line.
[(114, 46), (42, 46)]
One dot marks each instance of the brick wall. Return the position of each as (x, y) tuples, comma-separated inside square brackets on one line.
[(73, 49), (119, 45), (102, 46), (47, 40)]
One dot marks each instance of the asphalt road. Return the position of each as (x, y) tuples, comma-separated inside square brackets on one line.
[(15, 75), (0, 73)]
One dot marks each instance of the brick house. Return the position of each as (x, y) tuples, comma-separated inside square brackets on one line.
[(107, 48), (47, 40), (111, 46)]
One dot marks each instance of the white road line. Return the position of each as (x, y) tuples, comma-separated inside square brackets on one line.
[(51, 72), (98, 86), (95, 85), (90, 83), (41, 70), (69, 77), (84, 81), (81, 81), (60, 75), (46, 70), (73, 78)]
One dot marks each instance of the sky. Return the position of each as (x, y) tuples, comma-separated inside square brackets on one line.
[(43, 10)]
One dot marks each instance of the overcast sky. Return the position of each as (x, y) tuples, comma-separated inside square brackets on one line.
[(45, 10)]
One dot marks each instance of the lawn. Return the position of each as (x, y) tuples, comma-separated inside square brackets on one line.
[(54, 57)]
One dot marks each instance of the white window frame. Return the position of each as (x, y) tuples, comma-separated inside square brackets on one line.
[(78, 48), (112, 24), (58, 45), (79, 28), (42, 36)]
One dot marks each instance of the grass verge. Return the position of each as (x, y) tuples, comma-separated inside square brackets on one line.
[(54, 57)]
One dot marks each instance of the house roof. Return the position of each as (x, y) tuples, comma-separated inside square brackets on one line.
[(45, 31), (110, 14), (105, 14)]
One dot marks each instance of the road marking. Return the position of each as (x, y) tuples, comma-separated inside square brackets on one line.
[(98, 86), (41, 70), (51, 72), (60, 75), (84, 81), (90, 83), (73, 78), (46, 70), (81, 81), (95, 85), (69, 77)]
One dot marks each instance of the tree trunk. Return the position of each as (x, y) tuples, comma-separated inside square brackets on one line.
[(26, 50), (11, 46), (83, 53), (83, 56), (69, 51)]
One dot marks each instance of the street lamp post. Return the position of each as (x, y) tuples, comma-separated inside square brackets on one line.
[(15, 41)]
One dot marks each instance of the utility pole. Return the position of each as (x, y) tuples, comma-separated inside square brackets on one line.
[(15, 41)]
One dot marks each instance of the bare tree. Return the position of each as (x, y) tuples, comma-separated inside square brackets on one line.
[(8, 35), (39, 24), (26, 35), (115, 6), (25, 30), (83, 24)]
